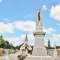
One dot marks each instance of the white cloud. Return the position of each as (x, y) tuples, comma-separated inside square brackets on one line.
[(56, 37), (30, 26), (25, 25), (19, 40), (6, 28), (55, 12), (14, 40), (45, 42), (5, 19), (49, 30), (44, 7), (58, 24), (1, 1)]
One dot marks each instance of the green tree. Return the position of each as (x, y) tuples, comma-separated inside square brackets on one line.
[(1, 37), (49, 44), (5, 44), (2, 42)]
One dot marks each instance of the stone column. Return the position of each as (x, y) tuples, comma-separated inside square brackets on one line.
[(39, 48)]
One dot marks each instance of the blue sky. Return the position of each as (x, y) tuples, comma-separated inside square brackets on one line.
[(17, 18)]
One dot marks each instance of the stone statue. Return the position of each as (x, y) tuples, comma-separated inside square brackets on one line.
[(39, 16)]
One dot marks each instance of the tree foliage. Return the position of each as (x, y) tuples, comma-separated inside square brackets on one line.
[(49, 44), (5, 44)]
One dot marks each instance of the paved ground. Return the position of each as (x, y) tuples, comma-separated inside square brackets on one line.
[(11, 56)]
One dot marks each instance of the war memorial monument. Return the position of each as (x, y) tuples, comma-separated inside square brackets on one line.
[(39, 50)]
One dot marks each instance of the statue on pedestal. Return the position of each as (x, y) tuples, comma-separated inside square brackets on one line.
[(39, 16), (39, 21)]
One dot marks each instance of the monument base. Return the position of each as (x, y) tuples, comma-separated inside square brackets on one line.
[(39, 51), (40, 58)]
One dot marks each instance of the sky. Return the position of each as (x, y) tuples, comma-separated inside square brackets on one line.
[(18, 18)]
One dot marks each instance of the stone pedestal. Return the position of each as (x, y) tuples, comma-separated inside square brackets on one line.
[(39, 48)]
